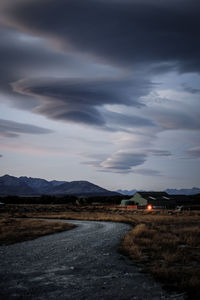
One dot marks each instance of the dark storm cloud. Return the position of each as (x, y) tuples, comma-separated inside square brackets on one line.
[(122, 32), (151, 34), (13, 129), (190, 89), (22, 55), (193, 152), (1, 155), (78, 100)]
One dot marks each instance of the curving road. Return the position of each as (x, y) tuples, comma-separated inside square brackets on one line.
[(78, 264)]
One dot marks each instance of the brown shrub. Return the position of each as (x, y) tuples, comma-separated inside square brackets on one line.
[(18, 230)]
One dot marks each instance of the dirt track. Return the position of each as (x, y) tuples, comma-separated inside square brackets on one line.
[(78, 264)]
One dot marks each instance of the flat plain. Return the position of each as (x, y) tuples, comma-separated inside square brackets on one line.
[(164, 243)]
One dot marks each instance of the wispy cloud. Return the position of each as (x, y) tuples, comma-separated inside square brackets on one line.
[(159, 152), (14, 129), (147, 172), (125, 161)]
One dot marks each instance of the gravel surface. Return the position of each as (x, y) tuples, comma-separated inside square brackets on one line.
[(82, 263)]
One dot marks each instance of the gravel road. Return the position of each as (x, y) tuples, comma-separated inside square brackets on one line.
[(82, 263)]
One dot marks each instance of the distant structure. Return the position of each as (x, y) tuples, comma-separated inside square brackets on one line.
[(146, 198), (160, 200)]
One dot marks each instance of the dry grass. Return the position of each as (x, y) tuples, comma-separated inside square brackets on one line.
[(170, 250), (19, 230), (166, 243)]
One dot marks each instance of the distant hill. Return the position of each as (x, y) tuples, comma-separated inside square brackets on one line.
[(10, 185), (127, 192), (36, 184), (80, 188), (39, 185), (27, 186), (191, 191)]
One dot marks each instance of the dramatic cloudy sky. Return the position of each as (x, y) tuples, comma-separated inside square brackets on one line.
[(101, 90)]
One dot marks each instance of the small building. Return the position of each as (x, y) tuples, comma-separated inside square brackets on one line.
[(153, 198), (160, 200)]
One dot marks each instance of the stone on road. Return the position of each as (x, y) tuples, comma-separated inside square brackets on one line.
[(82, 263)]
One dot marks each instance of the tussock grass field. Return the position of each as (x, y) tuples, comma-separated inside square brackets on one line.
[(14, 230), (169, 249), (164, 243)]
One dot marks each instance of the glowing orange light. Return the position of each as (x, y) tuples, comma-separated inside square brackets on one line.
[(149, 207)]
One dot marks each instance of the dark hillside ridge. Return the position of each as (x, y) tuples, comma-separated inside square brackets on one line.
[(28, 186), (80, 188), (127, 192), (10, 185), (192, 191)]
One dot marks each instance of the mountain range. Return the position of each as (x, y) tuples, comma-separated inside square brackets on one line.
[(127, 192), (191, 191), (28, 186)]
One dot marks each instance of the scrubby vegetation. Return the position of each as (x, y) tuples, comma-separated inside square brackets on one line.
[(165, 243), (169, 249), (66, 199), (14, 230)]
